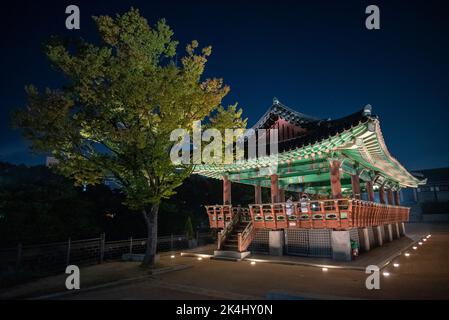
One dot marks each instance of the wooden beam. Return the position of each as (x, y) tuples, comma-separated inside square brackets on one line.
[(390, 196), (370, 190), (355, 183), (397, 198), (335, 179), (382, 194), (274, 188), (258, 193), (226, 190)]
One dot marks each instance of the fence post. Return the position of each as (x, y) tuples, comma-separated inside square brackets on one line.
[(69, 246), (171, 242), (102, 240), (19, 256), (131, 245)]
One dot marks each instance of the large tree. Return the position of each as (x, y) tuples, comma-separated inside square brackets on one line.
[(122, 98)]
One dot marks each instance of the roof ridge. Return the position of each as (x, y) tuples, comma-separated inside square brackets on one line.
[(277, 104)]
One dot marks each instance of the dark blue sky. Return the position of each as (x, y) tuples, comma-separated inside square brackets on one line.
[(315, 56)]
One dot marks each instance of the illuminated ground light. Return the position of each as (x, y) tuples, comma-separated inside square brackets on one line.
[(424, 240), (386, 274), (324, 269), (428, 236), (172, 256), (407, 254), (396, 265), (200, 258), (415, 247), (253, 262), (420, 243)]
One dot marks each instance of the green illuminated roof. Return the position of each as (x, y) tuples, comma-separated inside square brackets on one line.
[(303, 161)]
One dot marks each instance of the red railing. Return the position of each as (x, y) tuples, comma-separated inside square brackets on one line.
[(317, 214), (327, 214), (246, 237), (221, 215)]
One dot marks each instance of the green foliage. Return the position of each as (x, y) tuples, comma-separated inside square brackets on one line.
[(123, 98), (190, 234), (38, 205)]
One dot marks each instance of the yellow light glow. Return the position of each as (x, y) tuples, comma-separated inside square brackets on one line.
[(415, 247), (420, 243), (407, 254), (172, 256), (396, 265), (424, 240), (325, 269), (386, 274), (253, 262), (428, 236), (199, 258)]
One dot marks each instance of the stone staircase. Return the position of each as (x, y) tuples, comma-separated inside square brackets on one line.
[(229, 249)]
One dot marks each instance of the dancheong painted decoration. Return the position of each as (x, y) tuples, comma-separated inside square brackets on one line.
[(330, 171)]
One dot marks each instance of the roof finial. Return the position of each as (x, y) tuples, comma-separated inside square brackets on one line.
[(275, 100), (367, 110)]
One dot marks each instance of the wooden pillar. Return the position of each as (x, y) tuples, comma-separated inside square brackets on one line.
[(281, 195), (370, 190), (335, 179), (274, 188), (381, 194), (226, 190), (257, 193), (390, 196), (397, 198), (355, 182)]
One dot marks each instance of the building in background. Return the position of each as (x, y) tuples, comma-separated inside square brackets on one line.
[(429, 202)]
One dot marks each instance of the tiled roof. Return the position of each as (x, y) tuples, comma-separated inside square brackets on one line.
[(317, 129), (279, 110)]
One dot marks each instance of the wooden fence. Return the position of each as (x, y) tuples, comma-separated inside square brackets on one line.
[(54, 257)]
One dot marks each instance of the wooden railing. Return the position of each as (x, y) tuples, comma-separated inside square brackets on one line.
[(221, 215), (223, 234), (318, 214), (246, 237), (326, 214)]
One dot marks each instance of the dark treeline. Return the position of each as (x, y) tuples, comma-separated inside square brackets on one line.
[(38, 205)]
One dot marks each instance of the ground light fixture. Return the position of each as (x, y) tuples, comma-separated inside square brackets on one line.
[(415, 247), (386, 274), (424, 239), (407, 254), (420, 243), (324, 269), (396, 265), (172, 256), (428, 236), (200, 258), (253, 262)]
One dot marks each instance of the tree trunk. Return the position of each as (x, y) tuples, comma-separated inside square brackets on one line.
[(151, 222)]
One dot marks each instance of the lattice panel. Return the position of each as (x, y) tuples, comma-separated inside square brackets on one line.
[(297, 242), (320, 243), (260, 242)]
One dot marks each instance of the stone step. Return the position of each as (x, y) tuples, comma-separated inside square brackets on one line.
[(230, 255)]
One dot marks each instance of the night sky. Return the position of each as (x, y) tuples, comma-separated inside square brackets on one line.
[(316, 57)]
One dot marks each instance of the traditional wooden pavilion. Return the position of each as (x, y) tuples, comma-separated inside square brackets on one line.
[(339, 164)]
